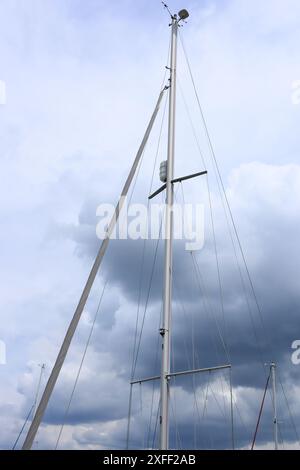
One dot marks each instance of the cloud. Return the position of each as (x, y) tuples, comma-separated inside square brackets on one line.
[(81, 81)]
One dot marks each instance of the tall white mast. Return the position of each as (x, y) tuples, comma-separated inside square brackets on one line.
[(167, 177), (86, 291), (167, 307), (275, 421)]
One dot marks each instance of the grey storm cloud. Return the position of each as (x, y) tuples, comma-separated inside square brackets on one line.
[(251, 341)]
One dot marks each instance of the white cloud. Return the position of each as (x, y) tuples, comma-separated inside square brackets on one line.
[(80, 93)]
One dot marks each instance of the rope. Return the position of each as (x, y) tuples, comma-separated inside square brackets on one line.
[(156, 422), (289, 409), (210, 203), (141, 415), (80, 367), (144, 244), (267, 337), (135, 351), (205, 408), (193, 355), (229, 231), (24, 424), (129, 417), (260, 412), (147, 301), (153, 384), (223, 341), (224, 192), (189, 366), (173, 410), (201, 281), (231, 410), (34, 406)]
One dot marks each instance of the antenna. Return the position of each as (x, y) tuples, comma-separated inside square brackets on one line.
[(167, 8)]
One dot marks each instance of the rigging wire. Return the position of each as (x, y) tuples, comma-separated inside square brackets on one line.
[(260, 412), (203, 289), (147, 302), (193, 344), (80, 367), (241, 277), (144, 314), (216, 250), (231, 410), (173, 410), (236, 234), (186, 321), (153, 384), (266, 333), (129, 416), (135, 351), (144, 244), (142, 328), (289, 408), (22, 428), (230, 234), (224, 191), (140, 281), (34, 405), (162, 87), (213, 227), (223, 340), (221, 294), (190, 365), (141, 414), (205, 407), (239, 244), (156, 423), (193, 355)]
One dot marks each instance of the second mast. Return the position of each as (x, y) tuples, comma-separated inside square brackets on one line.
[(167, 298)]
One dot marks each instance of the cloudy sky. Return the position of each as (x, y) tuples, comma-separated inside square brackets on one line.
[(81, 81)]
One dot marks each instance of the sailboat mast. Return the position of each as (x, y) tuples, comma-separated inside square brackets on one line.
[(167, 307), (275, 421)]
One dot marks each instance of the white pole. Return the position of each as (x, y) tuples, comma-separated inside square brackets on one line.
[(86, 291), (167, 308), (273, 373)]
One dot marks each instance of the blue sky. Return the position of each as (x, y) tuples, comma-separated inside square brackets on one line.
[(81, 82)]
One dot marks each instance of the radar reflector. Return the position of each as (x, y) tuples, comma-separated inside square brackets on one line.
[(183, 14)]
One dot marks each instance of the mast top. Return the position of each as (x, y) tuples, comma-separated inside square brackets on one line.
[(182, 14)]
